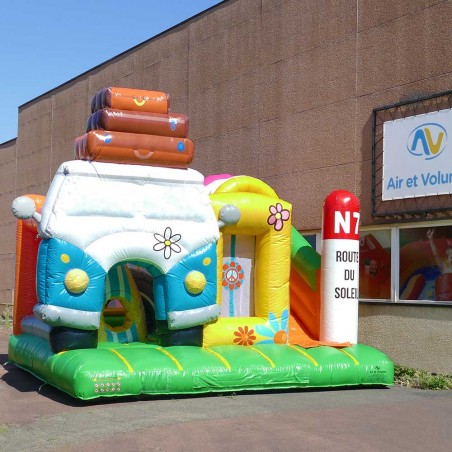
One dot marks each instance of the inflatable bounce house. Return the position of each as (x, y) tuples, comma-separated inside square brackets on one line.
[(137, 275)]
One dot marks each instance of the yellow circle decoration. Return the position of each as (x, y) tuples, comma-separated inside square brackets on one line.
[(206, 261), (76, 281), (195, 282), (65, 258)]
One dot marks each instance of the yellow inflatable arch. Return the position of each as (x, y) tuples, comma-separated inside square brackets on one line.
[(253, 266)]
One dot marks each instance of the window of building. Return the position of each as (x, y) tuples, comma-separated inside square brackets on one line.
[(409, 263), (313, 238), (375, 264), (426, 263)]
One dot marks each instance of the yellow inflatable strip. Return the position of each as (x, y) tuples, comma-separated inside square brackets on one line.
[(246, 184), (350, 356), (129, 367), (57, 356), (221, 358), (170, 356), (272, 364), (306, 355)]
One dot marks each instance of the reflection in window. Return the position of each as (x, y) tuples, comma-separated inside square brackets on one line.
[(311, 239), (375, 264), (426, 263)]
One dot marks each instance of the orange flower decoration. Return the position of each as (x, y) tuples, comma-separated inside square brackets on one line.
[(245, 336), (233, 275)]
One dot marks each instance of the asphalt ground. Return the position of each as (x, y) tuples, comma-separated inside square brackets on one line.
[(38, 417)]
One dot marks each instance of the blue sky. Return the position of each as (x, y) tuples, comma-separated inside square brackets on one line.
[(47, 42)]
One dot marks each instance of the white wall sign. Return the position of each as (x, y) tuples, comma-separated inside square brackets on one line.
[(417, 156)]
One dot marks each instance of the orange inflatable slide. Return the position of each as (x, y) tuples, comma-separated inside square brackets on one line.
[(27, 244), (304, 320)]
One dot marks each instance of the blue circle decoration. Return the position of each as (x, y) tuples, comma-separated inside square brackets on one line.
[(107, 139), (180, 146)]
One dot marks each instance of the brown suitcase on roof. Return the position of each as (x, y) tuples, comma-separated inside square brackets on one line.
[(130, 99), (134, 148), (171, 125)]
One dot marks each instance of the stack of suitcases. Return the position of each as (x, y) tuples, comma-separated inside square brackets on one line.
[(135, 127)]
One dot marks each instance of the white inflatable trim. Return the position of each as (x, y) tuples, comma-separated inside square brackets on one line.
[(74, 318), (192, 317), (35, 327)]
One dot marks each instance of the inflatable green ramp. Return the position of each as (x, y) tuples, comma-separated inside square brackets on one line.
[(113, 370)]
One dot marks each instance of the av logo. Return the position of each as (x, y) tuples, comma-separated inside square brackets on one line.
[(427, 140)]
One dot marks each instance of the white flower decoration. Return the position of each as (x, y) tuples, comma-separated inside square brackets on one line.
[(167, 242)]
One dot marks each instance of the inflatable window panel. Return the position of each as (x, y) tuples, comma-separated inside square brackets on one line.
[(237, 276)]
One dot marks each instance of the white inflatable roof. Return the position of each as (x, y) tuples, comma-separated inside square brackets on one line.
[(112, 211)]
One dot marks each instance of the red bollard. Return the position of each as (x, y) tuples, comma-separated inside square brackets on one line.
[(339, 291)]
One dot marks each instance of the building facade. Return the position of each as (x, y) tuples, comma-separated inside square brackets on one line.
[(286, 91)]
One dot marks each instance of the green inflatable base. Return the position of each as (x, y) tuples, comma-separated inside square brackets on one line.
[(114, 370)]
